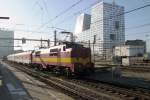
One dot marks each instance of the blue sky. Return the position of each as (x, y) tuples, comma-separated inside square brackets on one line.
[(29, 15)]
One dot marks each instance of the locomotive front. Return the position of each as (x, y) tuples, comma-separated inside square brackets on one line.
[(81, 60)]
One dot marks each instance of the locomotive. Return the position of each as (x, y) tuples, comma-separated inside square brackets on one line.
[(67, 58), (146, 58)]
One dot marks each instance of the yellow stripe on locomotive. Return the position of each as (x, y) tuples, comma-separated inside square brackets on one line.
[(63, 60)]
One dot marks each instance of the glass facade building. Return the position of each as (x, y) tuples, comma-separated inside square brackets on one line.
[(107, 26), (82, 23)]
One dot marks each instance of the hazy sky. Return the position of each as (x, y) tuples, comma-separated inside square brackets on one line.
[(29, 15)]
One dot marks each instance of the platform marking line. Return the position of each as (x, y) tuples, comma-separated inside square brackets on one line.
[(13, 90)]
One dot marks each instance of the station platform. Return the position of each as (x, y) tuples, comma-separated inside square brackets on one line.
[(18, 85), (3, 91)]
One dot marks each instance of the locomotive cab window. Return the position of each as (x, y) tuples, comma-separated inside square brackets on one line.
[(54, 52), (37, 53)]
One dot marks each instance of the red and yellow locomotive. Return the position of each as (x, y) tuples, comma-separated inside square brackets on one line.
[(68, 58)]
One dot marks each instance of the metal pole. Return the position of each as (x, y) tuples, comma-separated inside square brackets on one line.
[(89, 44), (93, 53), (55, 37), (94, 41), (48, 43), (71, 37), (41, 43)]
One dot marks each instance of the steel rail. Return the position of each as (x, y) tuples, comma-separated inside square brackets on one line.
[(89, 90), (81, 92)]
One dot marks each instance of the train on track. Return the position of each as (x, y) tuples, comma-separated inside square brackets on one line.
[(67, 58)]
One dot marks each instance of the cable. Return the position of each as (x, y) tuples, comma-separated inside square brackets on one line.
[(139, 26), (37, 3), (111, 16), (78, 12), (117, 15), (25, 30), (63, 12), (57, 28), (148, 5), (10, 46), (45, 6), (132, 10), (137, 33)]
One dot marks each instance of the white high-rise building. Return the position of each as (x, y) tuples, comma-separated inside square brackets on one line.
[(6, 42), (83, 23), (107, 24)]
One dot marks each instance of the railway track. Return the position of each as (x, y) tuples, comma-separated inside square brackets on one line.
[(124, 93), (74, 90), (87, 90), (136, 69)]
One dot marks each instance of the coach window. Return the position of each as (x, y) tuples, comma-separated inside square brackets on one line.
[(64, 48), (37, 53)]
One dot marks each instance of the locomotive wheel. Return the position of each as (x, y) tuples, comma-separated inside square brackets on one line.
[(40, 68)]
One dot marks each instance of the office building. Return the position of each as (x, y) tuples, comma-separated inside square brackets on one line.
[(107, 26), (6, 42), (82, 23)]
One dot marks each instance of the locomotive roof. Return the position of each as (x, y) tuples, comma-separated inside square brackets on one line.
[(21, 53), (47, 50), (67, 44)]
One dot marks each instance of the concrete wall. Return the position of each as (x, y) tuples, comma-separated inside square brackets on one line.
[(128, 51)]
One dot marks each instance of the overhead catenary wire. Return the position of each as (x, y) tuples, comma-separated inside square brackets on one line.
[(45, 6), (61, 13), (138, 26), (127, 12), (135, 9), (129, 28), (128, 34), (9, 46), (105, 19), (76, 13), (22, 30)]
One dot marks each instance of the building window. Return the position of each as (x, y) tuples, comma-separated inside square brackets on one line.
[(117, 25), (112, 37)]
